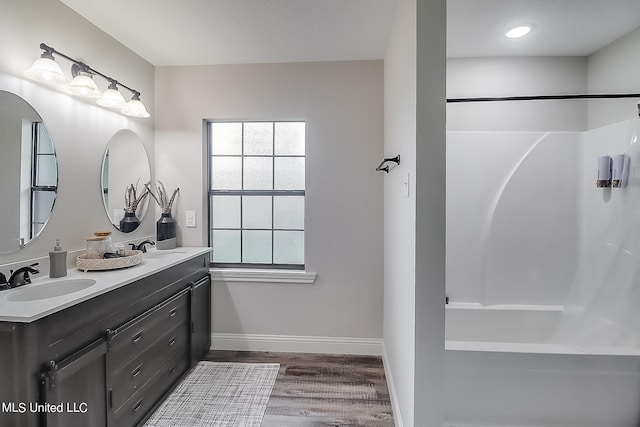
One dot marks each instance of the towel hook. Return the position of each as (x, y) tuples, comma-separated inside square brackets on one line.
[(382, 167)]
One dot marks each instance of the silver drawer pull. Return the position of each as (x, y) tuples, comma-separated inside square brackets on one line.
[(137, 405), (173, 369), (137, 336), (136, 371), (173, 312), (172, 341)]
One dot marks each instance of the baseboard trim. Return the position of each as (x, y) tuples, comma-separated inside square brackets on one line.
[(391, 385), (296, 344)]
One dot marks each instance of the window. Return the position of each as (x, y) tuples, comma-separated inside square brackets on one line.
[(256, 194), (44, 181)]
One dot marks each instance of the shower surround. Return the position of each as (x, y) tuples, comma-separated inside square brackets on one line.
[(543, 275)]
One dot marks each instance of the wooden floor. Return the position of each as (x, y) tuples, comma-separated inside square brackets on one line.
[(320, 390)]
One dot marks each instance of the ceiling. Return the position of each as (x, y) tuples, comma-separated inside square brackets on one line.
[(560, 27), (202, 32)]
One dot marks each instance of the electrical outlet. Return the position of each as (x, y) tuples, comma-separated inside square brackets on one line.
[(191, 218)]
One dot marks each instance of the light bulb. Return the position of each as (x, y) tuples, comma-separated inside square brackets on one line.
[(518, 32)]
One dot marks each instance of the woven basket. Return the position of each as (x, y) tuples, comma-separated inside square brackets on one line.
[(130, 259)]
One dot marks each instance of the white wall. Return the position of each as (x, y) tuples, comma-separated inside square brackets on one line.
[(614, 69), (342, 104), (414, 223), (400, 92), (516, 76), (80, 131)]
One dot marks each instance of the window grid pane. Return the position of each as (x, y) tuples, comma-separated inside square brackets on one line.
[(289, 138), (257, 173), (267, 178), (288, 247)]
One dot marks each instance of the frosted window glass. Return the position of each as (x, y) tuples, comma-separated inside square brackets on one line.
[(226, 245), (45, 145), (42, 205), (258, 173), (258, 139), (288, 247), (47, 173), (257, 190), (288, 212), (226, 138), (289, 174), (289, 138), (37, 228), (256, 212), (256, 247), (226, 173), (225, 212)]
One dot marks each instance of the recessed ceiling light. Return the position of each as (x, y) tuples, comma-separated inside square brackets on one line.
[(518, 32)]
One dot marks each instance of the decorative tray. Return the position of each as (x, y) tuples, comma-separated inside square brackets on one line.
[(131, 258)]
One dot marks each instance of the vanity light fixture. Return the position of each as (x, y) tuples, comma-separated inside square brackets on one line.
[(517, 32), (135, 107), (46, 70), (83, 85), (112, 98)]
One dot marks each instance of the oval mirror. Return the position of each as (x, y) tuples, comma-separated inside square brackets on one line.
[(29, 167), (125, 170)]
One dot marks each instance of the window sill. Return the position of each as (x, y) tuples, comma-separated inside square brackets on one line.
[(262, 276)]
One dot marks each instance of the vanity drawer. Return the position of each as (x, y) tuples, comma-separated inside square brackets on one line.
[(132, 376), (141, 402), (136, 336)]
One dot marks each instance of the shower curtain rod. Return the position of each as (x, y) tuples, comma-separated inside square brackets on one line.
[(546, 97)]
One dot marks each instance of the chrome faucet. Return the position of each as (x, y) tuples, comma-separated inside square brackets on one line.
[(141, 246), (19, 277)]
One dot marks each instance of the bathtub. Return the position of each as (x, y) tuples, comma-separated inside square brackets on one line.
[(504, 368)]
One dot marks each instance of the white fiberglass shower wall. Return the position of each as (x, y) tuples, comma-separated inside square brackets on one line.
[(512, 216), (543, 267), (523, 210), (512, 173)]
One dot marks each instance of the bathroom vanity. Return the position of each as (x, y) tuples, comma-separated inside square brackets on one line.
[(106, 355)]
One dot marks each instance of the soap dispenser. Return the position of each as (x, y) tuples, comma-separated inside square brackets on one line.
[(57, 261)]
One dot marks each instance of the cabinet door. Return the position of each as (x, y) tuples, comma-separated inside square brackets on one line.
[(74, 389), (200, 319)]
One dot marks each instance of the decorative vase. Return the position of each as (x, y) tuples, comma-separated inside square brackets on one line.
[(166, 232), (129, 222)]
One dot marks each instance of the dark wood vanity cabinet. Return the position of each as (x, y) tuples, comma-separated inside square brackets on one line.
[(76, 386), (111, 360), (200, 319)]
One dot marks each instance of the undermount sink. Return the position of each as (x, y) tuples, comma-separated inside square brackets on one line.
[(50, 290), (161, 253)]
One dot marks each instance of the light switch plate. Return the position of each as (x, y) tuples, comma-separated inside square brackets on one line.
[(191, 218), (406, 183)]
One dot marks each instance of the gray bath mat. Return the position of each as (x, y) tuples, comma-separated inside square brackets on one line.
[(219, 394)]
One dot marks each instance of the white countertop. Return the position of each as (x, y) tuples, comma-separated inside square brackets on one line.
[(28, 311)]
